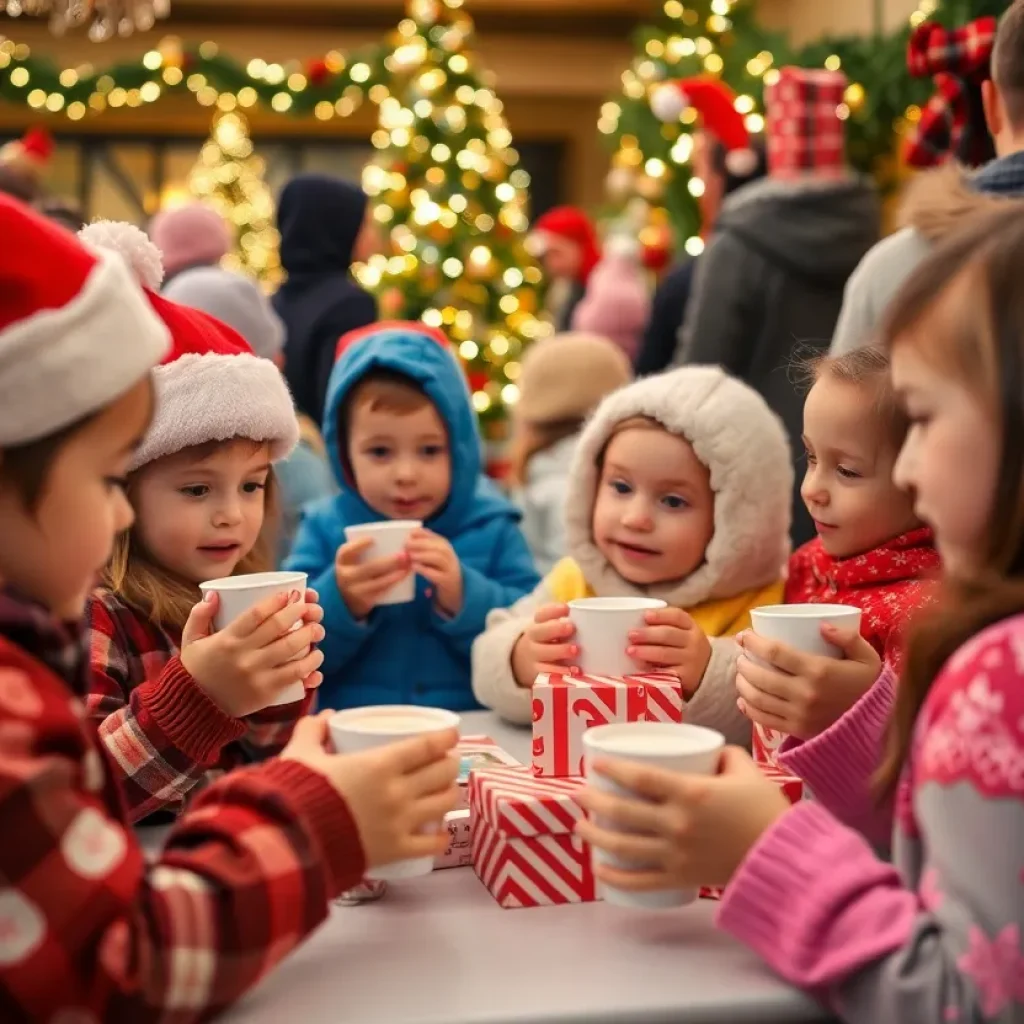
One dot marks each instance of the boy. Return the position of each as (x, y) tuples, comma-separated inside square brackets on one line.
[(402, 438)]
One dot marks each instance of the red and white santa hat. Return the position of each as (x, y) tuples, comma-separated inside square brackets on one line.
[(76, 331), (31, 153), (210, 387), (715, 102)]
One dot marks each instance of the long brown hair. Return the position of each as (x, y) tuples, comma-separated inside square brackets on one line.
[(532, 439), (981, 344), (157, 593)]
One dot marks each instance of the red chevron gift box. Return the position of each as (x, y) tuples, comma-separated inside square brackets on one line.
[(565, 706), (524, 849), (477, 752), (792, 787), (766, 745)]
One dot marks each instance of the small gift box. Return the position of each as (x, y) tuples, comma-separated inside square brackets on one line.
[(459, 852), (792, 787), (565, 706), (524, 849), (479, 752), (766, 744)]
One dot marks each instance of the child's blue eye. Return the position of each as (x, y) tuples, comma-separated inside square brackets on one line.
[(673, 501), (195, 491), (620, 486)]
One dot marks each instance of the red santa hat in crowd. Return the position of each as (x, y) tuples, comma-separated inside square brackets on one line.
[(76, 331), (210, 386), (715, 102), (573, 225), (29, 154)]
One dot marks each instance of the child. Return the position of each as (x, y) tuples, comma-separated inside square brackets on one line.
[(679, 491), (403, 441), (872, 551), (563, 379), (90, 929), (937, 937), (193, 235), (171, 702)]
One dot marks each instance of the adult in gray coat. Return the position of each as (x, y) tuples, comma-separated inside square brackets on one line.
[(939, 202), (769, 286)]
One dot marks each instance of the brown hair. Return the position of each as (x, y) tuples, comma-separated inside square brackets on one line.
[(135, 577), (385, 391), (1008, 62), (868, 369), (534, 438), (982, 345), (26, 467)]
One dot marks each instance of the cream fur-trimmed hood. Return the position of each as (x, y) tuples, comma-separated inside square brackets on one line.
[(743, 444)]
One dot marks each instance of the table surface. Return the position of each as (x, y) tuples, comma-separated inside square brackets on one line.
[(439, 950)]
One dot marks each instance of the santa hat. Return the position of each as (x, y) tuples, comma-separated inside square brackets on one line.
[(575, 226), (76, 331), (29, 154), (210, 387), (715, 102), (804, 123), (349, 338)]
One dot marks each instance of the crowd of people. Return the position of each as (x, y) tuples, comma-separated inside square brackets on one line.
[(163, 424)]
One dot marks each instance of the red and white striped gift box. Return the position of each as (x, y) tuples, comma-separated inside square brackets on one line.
[(766, 744), (565, 706), (524, 850), (478, 752)]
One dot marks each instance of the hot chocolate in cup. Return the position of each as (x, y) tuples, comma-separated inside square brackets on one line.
[(603, 625), (359, 729), (238, 594), (675, 747), (799, 625), (389, 538)]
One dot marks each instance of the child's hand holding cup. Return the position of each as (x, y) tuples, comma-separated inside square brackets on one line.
[(373, 567), (546, 645)]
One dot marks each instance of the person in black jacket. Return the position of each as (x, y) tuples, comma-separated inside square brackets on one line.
[(325, 227)]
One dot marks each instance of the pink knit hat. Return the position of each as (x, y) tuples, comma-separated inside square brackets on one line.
[(190, 236), (617, 303)]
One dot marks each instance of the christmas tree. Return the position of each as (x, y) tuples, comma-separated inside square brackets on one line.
[(229, 177), (651, 157), (448, 190)]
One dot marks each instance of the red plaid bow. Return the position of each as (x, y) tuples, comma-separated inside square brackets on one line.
[(958, 61)]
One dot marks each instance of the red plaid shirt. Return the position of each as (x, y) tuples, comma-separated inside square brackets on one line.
[(162, 731), (88, 929), (889, 584)]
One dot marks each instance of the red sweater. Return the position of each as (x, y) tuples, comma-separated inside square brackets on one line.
[(88, 928), (889, 584), (162, 730)]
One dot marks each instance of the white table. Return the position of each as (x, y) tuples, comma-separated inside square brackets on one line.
[(439, 950)]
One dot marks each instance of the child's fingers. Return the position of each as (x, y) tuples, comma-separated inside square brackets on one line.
[(434, 778), (312, 597), (675, 617), (631, 815), (200, 619), (411, 755), (269, 619), (760, 718), (352, 552), (551, 669), (662, 636), (382, 584), (767, 680), (313, 681), (555, 653), (434, 807), (635, 881), (289, 647), (639, 849), (551, 630), (663, 657), (300, 669), (760, 701), (313, 612), (552, 611), (777, 654), (425, 844)]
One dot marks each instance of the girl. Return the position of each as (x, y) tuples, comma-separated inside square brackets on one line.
[(871, 550), (563, 379), (938, 936), (679, 491), (89, 929), (171, 701)]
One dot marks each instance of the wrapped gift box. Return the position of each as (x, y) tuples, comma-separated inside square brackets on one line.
[(793, 788), (766, 745), (479, 752), (565, 706), (524, 850), (459, 853)]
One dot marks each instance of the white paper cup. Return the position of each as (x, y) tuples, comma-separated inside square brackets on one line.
[(359, 729), (799, 625), (677, 748), (389, 538), (603, 625), (240, 593)]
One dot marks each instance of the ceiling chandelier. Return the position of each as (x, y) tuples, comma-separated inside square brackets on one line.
[(102, 19)]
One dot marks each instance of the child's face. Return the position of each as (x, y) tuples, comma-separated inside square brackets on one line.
[(654, 514), (55, 553), (200, 514), (950, 460), (401, 462), (848, 487)]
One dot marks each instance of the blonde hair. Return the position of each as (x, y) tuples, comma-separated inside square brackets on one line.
[(630, 423), (156, 592)]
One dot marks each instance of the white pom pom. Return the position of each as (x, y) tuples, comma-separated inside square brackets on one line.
[(741, 163), (668, 103), (621, 247), (132, 245)]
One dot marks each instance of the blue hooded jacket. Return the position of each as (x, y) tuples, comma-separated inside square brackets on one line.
[(410, 653)]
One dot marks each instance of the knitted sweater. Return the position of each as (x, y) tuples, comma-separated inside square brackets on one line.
[(937, 936), (88, 929), (162, 731)]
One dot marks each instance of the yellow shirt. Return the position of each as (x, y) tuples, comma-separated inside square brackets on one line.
[(715, 618)]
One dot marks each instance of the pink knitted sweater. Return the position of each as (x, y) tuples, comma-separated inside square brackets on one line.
[(937, 936)]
